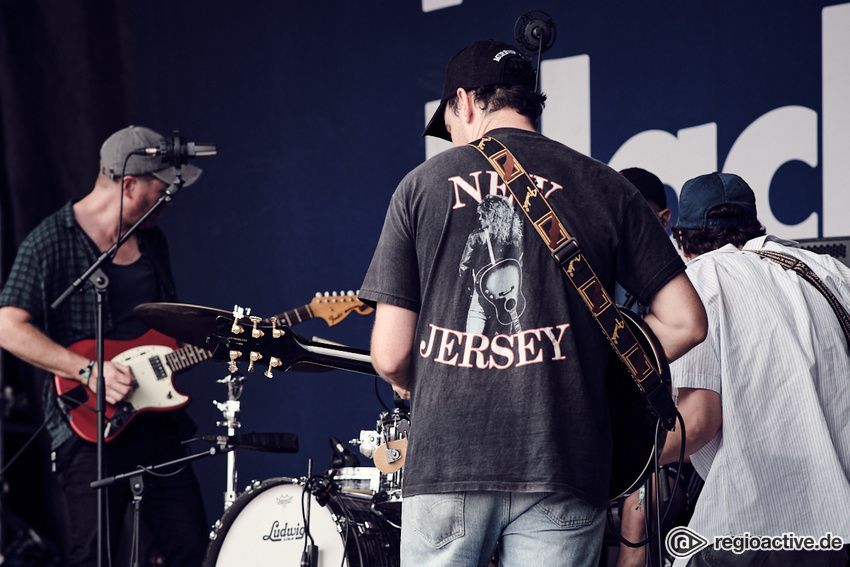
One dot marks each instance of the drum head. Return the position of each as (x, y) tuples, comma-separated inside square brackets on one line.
[(265, 528)]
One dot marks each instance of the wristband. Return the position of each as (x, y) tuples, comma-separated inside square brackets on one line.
[(85, 373)]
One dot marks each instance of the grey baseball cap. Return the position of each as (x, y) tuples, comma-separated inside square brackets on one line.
[(122, 143)]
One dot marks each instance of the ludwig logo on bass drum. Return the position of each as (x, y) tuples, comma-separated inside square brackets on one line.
[(276, 533)]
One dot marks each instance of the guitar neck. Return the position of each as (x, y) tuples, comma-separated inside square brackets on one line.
[(343, 358), (186, 357), (297, 315)]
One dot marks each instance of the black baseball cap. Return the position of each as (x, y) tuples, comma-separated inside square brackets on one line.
[(481, 64), (648, 184)]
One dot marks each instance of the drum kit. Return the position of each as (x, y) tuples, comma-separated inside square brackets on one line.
[(348, 515)]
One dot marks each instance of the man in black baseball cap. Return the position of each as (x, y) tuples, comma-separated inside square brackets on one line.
[(485, 63), (511, 444)]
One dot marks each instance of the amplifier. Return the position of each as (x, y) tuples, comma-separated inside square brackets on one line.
[(836, 246)]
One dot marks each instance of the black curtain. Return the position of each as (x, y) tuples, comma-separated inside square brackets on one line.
[(66, 83)]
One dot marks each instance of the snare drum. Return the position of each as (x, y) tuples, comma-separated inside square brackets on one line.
[(358, 480), (265, 527)]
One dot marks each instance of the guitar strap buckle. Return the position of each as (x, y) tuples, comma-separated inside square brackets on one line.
[(662, 404), (566, 251)]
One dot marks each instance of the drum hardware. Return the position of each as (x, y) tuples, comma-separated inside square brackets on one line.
[(387, 447), (230, 411), (392, 454), (341, 456)]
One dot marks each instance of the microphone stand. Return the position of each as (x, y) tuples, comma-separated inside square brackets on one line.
[(137, 486), (95, 275)]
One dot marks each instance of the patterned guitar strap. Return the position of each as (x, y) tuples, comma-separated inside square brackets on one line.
[(567, 253), (791, 263)]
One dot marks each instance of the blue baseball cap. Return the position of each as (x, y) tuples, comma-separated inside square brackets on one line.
[(701, 194)]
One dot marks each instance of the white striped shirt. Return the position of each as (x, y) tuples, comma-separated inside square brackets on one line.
[(777, 356)]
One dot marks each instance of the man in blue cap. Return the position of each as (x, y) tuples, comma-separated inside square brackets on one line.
[(765, 397)]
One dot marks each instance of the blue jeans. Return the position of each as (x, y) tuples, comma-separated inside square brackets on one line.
[(461, 529)]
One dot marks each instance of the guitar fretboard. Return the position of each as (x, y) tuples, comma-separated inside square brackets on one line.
[(185, 357), (297, 315)]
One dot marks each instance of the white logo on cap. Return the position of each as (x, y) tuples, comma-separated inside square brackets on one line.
[(504, 52)]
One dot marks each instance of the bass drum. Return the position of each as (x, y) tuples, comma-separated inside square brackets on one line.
[(265, 527)]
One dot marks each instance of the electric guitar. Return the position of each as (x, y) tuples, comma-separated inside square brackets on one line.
[(632, 423), (154, 358)]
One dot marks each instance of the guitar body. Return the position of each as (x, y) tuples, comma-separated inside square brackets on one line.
[(500, 283), (632, 423), (147, 357)]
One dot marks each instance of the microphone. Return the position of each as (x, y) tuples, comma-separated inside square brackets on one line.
[(269, 442), (176, 150), (346, 457)]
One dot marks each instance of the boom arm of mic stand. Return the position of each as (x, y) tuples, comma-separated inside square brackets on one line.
[(188, 458), (105, 257)]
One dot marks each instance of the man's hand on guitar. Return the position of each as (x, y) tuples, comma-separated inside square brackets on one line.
[(118, 378)]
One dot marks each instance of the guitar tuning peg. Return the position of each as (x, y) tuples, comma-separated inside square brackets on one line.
[(256, 333), (350, 292), (234, 354), (238, 313), (254, 356), (318, 294), (276, 333), (274, 362)]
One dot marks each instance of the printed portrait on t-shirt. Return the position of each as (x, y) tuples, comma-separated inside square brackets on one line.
[(492, 267)]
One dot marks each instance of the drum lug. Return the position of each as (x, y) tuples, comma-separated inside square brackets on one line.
[(215, 528)]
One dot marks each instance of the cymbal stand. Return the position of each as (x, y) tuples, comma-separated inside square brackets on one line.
[(230, 411)]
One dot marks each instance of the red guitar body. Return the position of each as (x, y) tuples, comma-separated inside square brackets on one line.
[(153, 358)]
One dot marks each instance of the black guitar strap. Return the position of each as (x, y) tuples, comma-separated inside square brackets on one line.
[(567, 253), (791, 263)]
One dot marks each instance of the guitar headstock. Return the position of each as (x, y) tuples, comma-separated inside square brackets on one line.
[(270, 342), (333, 307), (245, 337)]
